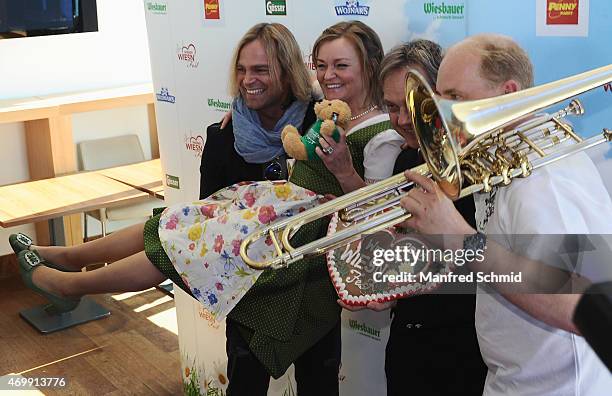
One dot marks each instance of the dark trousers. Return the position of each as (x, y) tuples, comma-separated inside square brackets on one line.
[(316, 370), (433, 361)]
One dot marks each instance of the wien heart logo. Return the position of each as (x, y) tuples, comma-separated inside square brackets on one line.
[(187, 54), (195, 144), (361, 274)]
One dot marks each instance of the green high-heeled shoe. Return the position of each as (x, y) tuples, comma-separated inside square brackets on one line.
[(28, 261), (20, 242)]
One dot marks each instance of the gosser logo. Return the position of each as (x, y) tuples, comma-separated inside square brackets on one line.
[(164, 96), (156, 8), (364, 329), (562, 12), (173, 181), (444, 11), (352, 7), (194, 144), (187, 54), (219, 105), (211, 9), (276, 7)]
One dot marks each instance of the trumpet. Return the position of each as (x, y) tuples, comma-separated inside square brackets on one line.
[(467, 146)]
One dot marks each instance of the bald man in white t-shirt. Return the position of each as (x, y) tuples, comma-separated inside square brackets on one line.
[(528, 341)]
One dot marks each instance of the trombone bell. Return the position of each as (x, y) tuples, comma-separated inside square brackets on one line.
[(449, 131)]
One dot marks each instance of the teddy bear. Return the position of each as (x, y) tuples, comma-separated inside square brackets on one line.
[(329, 114)]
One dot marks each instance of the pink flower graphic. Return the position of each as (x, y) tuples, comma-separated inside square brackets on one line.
[(208, 210), (266, 214), (219, 286), (172, 223), (236, 246), (250, 199), (218, 243)]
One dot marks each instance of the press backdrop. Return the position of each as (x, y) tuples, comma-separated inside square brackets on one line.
[(191, 42)]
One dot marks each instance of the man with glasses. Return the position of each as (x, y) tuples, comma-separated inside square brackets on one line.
[(421, 324)]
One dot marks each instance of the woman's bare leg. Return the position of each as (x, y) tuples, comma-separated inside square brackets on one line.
[(131, 273), (113, 247)]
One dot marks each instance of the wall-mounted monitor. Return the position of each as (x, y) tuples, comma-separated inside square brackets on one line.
[(26, 18)]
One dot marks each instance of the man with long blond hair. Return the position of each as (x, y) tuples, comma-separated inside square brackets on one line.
[(271, 88)]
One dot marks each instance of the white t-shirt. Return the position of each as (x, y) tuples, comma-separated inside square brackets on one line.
[(601, 155), (524, 355), (381, 151)]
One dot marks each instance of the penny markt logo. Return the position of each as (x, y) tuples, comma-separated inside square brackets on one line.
[(211, 9), (562, 12)]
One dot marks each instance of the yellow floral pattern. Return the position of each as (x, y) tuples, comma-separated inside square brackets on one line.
[(202, 239), (195, 232), (283, 191)]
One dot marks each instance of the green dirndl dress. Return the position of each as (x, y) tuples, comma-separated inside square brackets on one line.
[(197, 244), (289, 310), (155, 252)]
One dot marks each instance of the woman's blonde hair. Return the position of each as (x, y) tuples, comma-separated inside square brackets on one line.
[(284, 58), (369, 49)]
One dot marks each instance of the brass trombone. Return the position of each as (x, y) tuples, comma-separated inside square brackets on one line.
[(468, 147)]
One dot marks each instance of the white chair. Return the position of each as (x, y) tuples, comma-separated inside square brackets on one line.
[(110, 152)]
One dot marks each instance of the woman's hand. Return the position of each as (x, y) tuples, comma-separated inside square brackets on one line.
[(337, 158), (226, 119), (326, 198), (335, 155)]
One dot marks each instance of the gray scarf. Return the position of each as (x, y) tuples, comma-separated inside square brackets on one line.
[(256, 144)]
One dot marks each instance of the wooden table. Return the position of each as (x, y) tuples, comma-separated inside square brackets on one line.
[(145, 175), (48, 133), (61, 196)]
